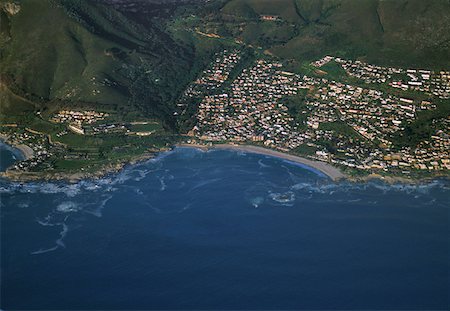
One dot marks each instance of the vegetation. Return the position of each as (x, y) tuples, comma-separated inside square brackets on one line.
[(136, 64), (340, 128), (426, 124), (296, 105), (85, 53), (372, 30)]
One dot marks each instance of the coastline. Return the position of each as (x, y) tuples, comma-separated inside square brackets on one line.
[(25, 150), (332, 172), (73, 177)]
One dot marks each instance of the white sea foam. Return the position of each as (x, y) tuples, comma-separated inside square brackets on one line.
[(256, 202), (23, 205), (284, 198), (44, 250), (163, 184), (62, 235), (58, 243), (142, 174), (185, 208), (98, 207), (262, 165), (68, 207), (204, 183)]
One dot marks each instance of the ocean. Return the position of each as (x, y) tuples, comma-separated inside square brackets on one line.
[(8, 156), (223, 230)]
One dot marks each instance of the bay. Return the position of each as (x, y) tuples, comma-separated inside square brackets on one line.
[(224, 230)]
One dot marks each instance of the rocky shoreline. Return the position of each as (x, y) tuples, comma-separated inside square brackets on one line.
[(21, 176)]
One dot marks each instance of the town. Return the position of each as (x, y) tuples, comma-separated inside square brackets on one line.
[(436, 83), (354, 127), (35, 146), (350, 126)]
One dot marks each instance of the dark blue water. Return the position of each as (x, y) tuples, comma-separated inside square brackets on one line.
[(8, 156), (224, 230)]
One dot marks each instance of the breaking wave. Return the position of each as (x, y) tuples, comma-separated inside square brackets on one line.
[(262, 185)]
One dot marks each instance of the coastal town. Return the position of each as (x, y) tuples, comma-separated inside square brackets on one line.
[(35, 147), (211, 79), (252, 110), (348, 126), (352, 127), (436, 83)]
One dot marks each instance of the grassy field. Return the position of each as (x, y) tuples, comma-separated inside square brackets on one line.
[(305, 150), (339, 127), (150, 127)]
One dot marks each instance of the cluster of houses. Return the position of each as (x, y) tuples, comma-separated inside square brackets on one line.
[(109, 128), (78, 117), (78, 120), (432, 82), (375, 117), (372, 113), (252, 110), (270, 18), (436, 83), (218, 72), (211, 79), (322, 62), (39, 144), (432, 155), (88, 123)]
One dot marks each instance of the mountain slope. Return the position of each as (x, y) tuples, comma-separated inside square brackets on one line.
[(406, 32), (85, 53)]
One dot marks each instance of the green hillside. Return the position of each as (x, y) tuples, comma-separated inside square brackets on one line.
[(80, 52), (71, 53), (408, 32)]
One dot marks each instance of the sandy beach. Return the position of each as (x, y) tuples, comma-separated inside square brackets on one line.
[(26, 151), (327, 169)]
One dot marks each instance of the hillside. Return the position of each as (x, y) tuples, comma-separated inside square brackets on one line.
[(85, 53), (91, 85), (120, 55), (409, 32)]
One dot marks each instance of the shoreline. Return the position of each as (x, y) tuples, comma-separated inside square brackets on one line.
[(25, 150), (73, 177), (334, 173)]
